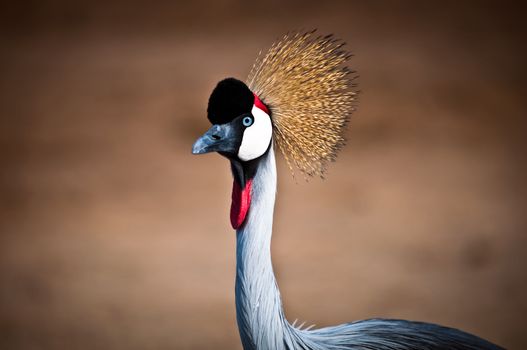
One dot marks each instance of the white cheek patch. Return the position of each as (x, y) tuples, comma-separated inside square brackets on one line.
[(256, 138)]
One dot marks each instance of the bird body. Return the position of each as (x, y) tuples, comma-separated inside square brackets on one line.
[(245, 130)]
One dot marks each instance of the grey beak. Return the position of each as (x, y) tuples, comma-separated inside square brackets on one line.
[(219, 138)]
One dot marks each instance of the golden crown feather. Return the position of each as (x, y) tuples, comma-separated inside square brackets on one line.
[(310, 92)]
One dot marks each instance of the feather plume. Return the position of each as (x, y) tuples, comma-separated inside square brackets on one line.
[(309, 90)]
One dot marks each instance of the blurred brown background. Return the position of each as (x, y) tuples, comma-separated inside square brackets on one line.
[(112, 236)]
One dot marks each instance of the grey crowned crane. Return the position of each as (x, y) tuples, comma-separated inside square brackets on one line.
[(298, 96)]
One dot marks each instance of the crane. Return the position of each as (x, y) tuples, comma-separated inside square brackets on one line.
[(299, 97)]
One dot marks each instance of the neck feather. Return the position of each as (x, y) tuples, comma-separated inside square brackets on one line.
[(259, 312), (261, 320)]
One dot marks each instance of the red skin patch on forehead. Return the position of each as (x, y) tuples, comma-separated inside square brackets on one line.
[(259, 104)]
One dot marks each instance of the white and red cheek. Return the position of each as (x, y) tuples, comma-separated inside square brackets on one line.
[(256, 137)]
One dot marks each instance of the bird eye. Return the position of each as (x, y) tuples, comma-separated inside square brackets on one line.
[(247, 121)]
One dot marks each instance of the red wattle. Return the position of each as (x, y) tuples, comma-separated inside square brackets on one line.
[(241, 201)]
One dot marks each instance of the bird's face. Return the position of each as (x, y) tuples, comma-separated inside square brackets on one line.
[(245, 138), (241, 131), (241, 127)]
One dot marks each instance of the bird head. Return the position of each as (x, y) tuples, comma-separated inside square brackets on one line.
[(299, 95), (241, 126), (241, 131)]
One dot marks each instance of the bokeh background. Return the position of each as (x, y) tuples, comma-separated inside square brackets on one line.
[(113, 236)]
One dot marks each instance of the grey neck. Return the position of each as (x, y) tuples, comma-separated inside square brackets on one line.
[(259, 312)]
